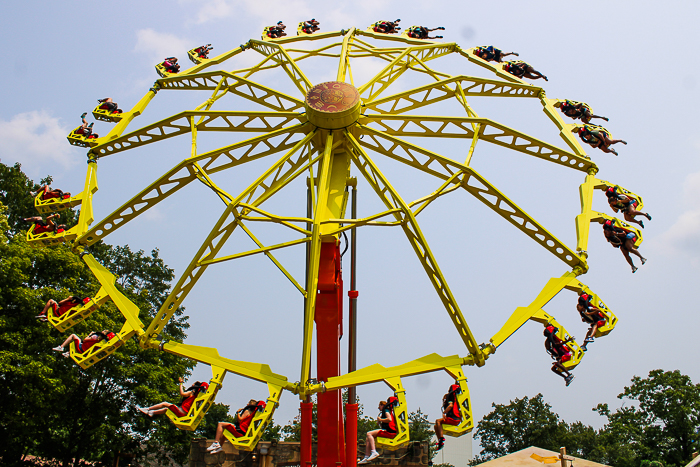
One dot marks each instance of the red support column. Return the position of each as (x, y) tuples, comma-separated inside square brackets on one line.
[(351, 434), (306, 453), (331, 439)]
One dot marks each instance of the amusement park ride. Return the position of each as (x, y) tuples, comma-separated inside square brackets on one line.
[(326, 133)]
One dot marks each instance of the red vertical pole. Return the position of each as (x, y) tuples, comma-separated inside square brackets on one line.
[(351, 434), (331, 439), (306, 409)]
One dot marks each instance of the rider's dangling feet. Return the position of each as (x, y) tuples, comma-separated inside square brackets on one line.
[(545, 78), (641, 224), (440, 444), (647, 216), (83, 115), (623, 142), (569, 379), (634, 269), (644, 260)]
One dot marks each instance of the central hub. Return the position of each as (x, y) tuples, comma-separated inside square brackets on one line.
[(333, 105)]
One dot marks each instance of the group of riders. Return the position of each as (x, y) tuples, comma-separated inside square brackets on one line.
[(557, 347)]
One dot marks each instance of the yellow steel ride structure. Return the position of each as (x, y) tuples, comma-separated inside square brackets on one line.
[(327, 132)]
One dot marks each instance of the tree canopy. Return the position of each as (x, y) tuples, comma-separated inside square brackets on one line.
[(50, 407)]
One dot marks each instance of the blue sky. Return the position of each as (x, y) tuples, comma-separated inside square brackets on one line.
[(633, 63)]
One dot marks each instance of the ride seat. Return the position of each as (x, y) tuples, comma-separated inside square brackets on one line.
[(201, 404), (78, 313), (78, 139), (38, 240), (51, 205), (464, 405), (260, 421), (194, 57), (102, 114), (400, 417), (162, 72), (102, 349)]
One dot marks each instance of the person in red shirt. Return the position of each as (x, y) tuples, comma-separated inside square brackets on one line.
[(82, 345), (59, 308), (48, 193), (239, 427), (42, 226), (450, 414), (181, 409), (559, 351)]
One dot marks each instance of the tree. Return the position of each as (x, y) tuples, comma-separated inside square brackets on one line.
[(662, 425), (522, 423), (51, 408)]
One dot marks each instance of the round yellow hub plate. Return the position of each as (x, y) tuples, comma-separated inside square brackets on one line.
[(333, 105)]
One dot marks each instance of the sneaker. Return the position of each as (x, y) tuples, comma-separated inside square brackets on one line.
[(214, 445), (58, 349), (648, 216), (217, 450), (569, 379), (143, 410), (624, 142), (364, 460), (584, 348), (644, 260), (66, 354), (589, 339), (373, 455), (440, 444), (634, 269), (641, 224), (83, 115)]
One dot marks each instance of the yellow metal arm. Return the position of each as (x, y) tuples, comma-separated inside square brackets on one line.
[(236, 85), (439, 91), (223, 229), (212, 121), (184, 173), (280, 56), (474, 183), (491, 131), (210, 356), (393, 200)]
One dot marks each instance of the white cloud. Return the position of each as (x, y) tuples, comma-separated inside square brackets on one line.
[(683, 236), (37, 141), (158, 45)]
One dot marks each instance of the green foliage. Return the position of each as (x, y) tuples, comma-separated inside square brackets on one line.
[(51, 408), (662, 424), (659, 429)]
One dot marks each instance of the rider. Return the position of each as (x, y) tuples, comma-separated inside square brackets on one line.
[(624, 240), (590, 314), (84, 344), (48, 193), (598, 137), (628, 206), (59, 308), (183, 408), (421, 32), (203, 51), (386, 27), (85, 129), (277, 30), (578, 110), (42, 226), (170, 64), (450, 414), (109, 104), (239, 427), (310, 26), (559, 351), (521, 69), (491, 53), (387, 422)]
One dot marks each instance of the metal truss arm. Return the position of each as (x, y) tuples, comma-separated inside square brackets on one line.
[(392, 200), (223, 229), (438, 91), (236, 85), (445, 169), (493, 132), (181, 123), (280, 56), (184, 173)]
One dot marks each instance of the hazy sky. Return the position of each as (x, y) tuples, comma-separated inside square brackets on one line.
[(632, 62)]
